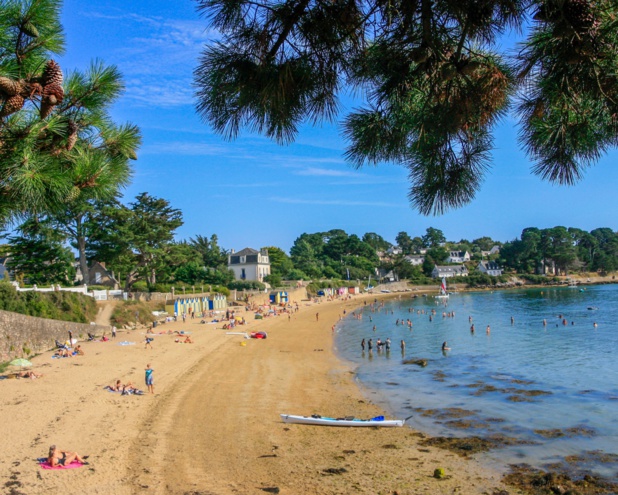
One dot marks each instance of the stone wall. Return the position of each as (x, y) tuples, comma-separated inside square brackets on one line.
[(23, 336)]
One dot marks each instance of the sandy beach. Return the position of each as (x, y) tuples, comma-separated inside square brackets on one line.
[(213, 425)]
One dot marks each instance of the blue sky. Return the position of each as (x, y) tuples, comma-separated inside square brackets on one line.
[(252, 192)]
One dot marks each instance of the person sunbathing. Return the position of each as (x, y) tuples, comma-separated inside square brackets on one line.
[(117, 387), (63, 353), (57, 457), (78, 350), (29, 374), (188, 340)]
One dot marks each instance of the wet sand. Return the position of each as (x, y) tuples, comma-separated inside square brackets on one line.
[(213, 425)]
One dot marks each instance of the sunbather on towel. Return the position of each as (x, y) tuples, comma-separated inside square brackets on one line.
[(29, 374), (117, 387), (57, 457), (63, 353)]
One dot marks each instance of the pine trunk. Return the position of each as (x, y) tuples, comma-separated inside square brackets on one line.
[(81, 249)]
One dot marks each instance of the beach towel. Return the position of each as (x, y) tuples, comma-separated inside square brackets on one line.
[(45, 465), (126, 343)]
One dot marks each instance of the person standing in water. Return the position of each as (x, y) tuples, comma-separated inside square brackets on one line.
[(363, 345)]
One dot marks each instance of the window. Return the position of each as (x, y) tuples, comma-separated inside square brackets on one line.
[(97, 277), (243, 275)]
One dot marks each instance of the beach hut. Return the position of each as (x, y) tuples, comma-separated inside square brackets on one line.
[(353, 290), (217, 302), (278, 297)]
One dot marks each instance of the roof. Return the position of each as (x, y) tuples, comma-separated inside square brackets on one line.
[(490, 265), (451, 268), (245, 252)]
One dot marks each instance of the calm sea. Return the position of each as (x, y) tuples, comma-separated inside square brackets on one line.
[(552, 387)]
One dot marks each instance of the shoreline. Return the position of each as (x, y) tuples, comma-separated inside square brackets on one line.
[(213, 425)]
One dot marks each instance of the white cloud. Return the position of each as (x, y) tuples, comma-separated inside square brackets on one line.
[(184, 148)]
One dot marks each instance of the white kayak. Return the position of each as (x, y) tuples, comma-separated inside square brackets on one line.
[(348, 421)]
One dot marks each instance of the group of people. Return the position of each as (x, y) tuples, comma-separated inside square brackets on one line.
[(380, 345)]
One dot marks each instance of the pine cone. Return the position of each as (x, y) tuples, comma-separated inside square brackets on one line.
[(10, 87), (72, 137), (52, 74), (12, 105), (53, 90), (73, 194), (30, 30), (47, 106)]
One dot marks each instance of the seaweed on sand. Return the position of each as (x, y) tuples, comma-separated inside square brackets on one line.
[(538, 482)]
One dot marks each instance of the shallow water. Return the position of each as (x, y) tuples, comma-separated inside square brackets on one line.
[(520, 377)]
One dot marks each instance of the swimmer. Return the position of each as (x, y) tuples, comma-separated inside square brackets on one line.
[(445, 346)]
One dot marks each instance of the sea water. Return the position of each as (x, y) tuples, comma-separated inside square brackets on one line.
[(543, 375)]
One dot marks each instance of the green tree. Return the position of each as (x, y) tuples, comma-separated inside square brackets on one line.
[(435, 77), (404, 241), (212, 254), (135, 240), (433, 238), (376, 241), (280, 262), (39, 255)]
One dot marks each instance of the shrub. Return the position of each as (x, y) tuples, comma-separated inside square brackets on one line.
[(60, 305), (245, 285), (127, 312)]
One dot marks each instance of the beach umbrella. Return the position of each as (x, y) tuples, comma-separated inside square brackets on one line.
[(20, 362)]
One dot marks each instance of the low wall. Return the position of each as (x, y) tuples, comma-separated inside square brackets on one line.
[(23, 336)]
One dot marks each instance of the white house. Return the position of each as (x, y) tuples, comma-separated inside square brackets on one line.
[(249, 264), (449, 271), (458, 256), (490, 268), (415, 259), (394, 250)]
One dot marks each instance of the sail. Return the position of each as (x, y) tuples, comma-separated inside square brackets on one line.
[(443, 287)]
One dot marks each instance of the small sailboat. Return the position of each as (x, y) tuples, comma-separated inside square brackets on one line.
[(443, 294)]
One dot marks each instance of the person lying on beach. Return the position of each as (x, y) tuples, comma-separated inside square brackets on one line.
[(28, 374), (117, 387), (63, 353), (57, 457)]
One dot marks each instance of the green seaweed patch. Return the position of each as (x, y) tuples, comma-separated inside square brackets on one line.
[(539, 482), (593, 456), (519, 398), (575, 431), (448, 413), (521, 382), (418, 362), (528, 393), (466, 424), (464, 447), (439, 376), (494, 420), (485, 388)]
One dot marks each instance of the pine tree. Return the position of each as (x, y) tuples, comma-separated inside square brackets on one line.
[(57, 140), (433, 76)]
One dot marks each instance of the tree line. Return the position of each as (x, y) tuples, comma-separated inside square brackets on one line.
[(137, 242)]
